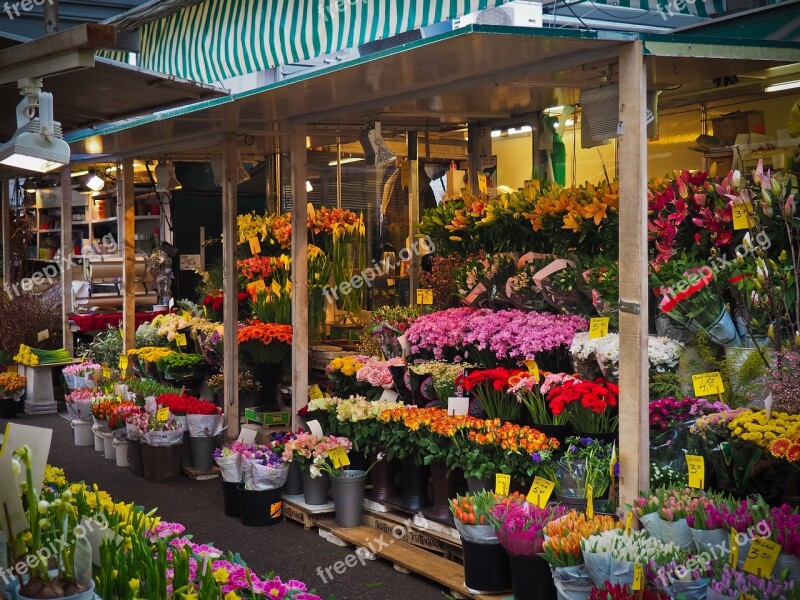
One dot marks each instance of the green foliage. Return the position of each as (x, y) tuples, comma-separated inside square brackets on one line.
[(106, 347), (145, 387), (665, 385)]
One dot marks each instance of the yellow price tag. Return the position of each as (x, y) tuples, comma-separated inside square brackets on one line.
[(338, 457), (205, 311), (697, 471), (707, 384), (162, 414), (638, 577), (742, 212), (424, 296), (106, 373), (180, 339), (123, 362), (483, 188), (255, 245), (598, 327), (502, 484), (83, 359), (589, 501), (733, 544), (628, 522), (761, 557), (314, 393), (540, 491), (533, 368), (255, 287), (531, 189)]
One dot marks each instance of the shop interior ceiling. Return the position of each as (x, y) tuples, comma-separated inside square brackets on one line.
[(483, 76)]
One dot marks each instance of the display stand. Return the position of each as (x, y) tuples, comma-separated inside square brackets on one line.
[(39, 398)]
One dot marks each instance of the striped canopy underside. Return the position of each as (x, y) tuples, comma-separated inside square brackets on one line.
[(219, 39)]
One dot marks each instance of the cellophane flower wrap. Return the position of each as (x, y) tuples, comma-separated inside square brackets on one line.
[(520, 526), (79, 403), (263, 469), (229, 459), (204, 418)]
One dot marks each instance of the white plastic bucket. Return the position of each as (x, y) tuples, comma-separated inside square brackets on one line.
[(121, 448), (108, 446), (98, 439), (83, 433)]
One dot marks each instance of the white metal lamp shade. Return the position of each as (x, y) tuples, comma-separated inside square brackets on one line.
[(32, 152)]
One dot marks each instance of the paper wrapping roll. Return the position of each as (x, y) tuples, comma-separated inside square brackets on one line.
[(110, 269), (113, 300)]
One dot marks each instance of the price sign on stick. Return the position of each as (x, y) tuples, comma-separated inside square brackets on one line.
[(761, 557), (483, 188), (314, 393), (707, 384), (697, 471), (540, 491), (43, 335), (123, 362), (742, 212), (502, 484), (162, 414), (638, 577), (598, 327), (733, 544), (425, 296), (339, 457), (628, 522), (589, 501), (533, 368), (255, 246)]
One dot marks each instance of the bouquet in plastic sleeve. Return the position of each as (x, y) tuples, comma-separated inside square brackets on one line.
[(472, 514), (205, 418), (82, 375), (229, 460), (262, 469), (79, 404), (520, 525)]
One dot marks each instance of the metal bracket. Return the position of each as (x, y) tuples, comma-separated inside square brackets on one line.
[(630, 307)]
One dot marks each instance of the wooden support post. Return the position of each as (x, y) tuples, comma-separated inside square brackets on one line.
[(230, 284), (4, 206), (634, 450), (299, 271), (128, 254), (413, 216), (66, 255)]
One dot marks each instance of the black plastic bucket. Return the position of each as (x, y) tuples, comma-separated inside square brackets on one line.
[(230, 498), (532, 578), (260, 509), (486, 567), (135, 457), (161, 463)]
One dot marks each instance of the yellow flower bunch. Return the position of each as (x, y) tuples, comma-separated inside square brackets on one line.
[(347, 366), (576, 206), (753, 426), (25, 356), (253, 225), (54, 477), (150, 354)]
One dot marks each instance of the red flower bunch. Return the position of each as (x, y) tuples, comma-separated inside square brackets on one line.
[(214, 303), (496, 378), (120, 414), (587, 404), (202, 407), (176, 403), (255, 267), (666, 412)]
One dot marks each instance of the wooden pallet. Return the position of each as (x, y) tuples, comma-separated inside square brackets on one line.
[(200, 475), (417, 531), (408, 558), (295, 509)]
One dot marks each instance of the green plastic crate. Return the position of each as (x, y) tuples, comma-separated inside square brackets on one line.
[(259, 415)]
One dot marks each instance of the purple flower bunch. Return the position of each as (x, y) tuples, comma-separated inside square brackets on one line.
[(666, 412), (234, 577), (231, 449), (731, 582), (786, 529), (520, 526), (703, 406), (507, 334), (164, 530), (705, 514)]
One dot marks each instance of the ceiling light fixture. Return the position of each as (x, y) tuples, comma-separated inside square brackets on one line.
[(780, 87), (165, 177), (94, 182), (37, 144)]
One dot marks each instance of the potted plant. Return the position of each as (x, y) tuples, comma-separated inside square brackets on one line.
[(264, 345), (47, 522), (12, 386)]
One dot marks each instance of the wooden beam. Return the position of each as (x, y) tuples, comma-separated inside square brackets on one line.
[(634, 447), (66, 255), (128, 218), (69, 60), (413, 215), (230, 284), (88, 36), (299, 271), (6, 224)]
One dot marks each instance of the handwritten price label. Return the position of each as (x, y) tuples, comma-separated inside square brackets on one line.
[(255, 287), (180, 339), (697, 471), (123, 362), (533, 368), (162, 414), (598, 327), (742, 212), (106, 373), (483, 188), (338, 457), (638, 577), (733, 544), (589, 501), (628, 522), (502, 484), (43, 335), (761, 557), (707, 384), (425, 296), (314, 393), (540, 491), (255, 245)]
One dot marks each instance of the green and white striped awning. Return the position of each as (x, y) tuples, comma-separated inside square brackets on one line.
[(699, 8), (219, 39)]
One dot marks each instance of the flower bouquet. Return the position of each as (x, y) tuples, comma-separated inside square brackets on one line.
[(264, 342), (729, 584), (391, 322), (79, 403), (615, 591), (81, 375), (520, 526), (102, 407), (528, 391), (590, 406), (610, 555), (204, 418), (182, 370), (342, 372), (586, 462), (491, 388), (521, 290), (119, 415), (564, 288), (229, 460), (263, 469), (472, 514), (12, 386), (673, 511), (685, 577), (376, 374), (144, 360)]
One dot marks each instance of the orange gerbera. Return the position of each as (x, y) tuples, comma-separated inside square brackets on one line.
[(793, 452), (779, 447)]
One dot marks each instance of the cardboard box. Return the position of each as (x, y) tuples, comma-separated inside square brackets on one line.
[(727, 126)]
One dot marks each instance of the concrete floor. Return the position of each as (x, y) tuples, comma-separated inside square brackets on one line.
[(285, 548)]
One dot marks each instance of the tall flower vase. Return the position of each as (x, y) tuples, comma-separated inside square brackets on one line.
[(294, 480), (415, 485), (445, 486), (381, 477), (269, 376), (315, 489), (347, 260), (348, 497)]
